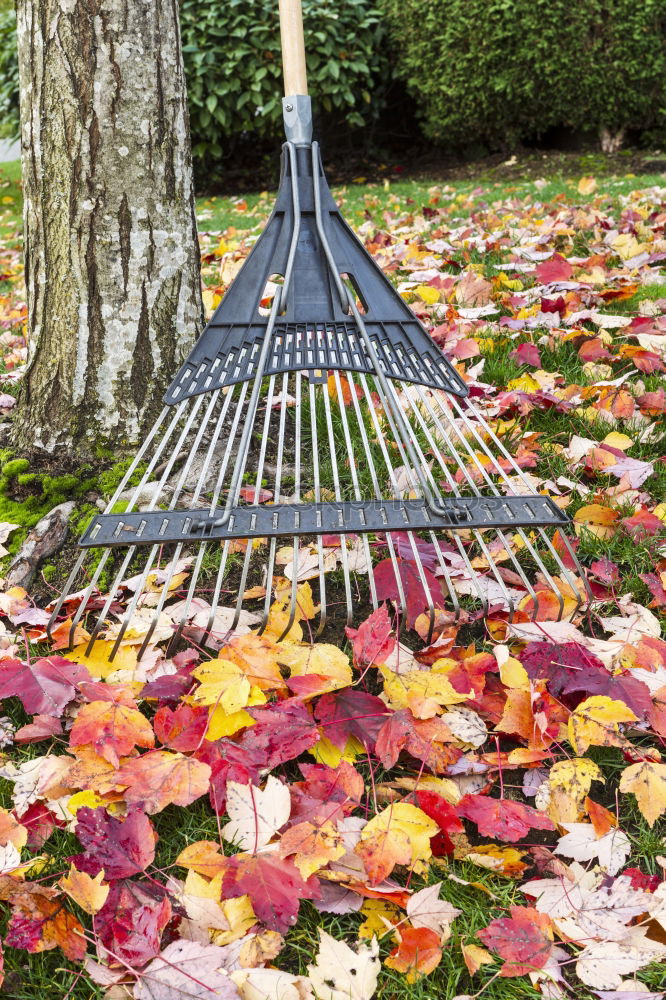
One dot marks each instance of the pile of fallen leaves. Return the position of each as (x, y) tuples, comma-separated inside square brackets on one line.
[(368, 779), (329, 792)]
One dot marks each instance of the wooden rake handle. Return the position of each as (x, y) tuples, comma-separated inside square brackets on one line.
[(293, 48)]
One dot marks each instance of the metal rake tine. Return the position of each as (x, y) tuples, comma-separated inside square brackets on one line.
[(571, 580), (454, 487), (473, 486), (127, 617), (221, 420), (278, 486), (402, 600), (110, 597), (114, 499), (338, 496), (195, 497), (216, 494), (354, 475), (323, 613), (297, 499), (396, 491)]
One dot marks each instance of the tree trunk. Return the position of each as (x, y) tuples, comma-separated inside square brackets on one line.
[(111, 252)]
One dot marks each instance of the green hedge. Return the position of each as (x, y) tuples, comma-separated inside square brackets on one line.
[(9, 76), (496, 71), (234, 75)]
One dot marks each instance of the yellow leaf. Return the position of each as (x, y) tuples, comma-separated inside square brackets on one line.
[(587, 185), (600, 521), (325, 752), (474, 957), (240, 917), (221, 724), (596, 722), (505, 860), (617, 440), (424, 691), (305, 605), (87, 892), (427, 294), (321, 658), (647, 781), (525, 383), (224, 684), (278, 619), (399, 835), (569, 782), (311, 846), (377, 913), (86, 798), (512, 672), (627, 246), (98, 662)]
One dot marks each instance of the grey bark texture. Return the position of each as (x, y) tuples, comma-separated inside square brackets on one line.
[(111, 252)]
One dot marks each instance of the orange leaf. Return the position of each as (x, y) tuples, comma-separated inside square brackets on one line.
[(417, 954), (112, 729), (161, 778)]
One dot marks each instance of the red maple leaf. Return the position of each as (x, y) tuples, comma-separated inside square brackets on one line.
[(44, 686), (527, 354), (558, 663), (416, 598), (131, 922), (557, 268), (351, 713), (444, 814), (524, 940), (620, 687), (425, 739), (372, 642), (502, 818), (274, 886), (181, 729), (282, 732), (120, 847)]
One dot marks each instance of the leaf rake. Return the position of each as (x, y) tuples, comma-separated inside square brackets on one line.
[(335, 404)]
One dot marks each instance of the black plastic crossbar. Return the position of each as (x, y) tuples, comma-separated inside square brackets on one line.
[(275, 520)]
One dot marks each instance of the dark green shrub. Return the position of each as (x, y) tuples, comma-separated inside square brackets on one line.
[(9, 76), (234, 76), (497, 71)]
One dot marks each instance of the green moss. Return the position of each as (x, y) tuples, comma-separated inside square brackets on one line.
[(27, 495)]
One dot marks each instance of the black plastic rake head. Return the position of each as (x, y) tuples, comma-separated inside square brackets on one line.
[(326, 432), (314, 329)]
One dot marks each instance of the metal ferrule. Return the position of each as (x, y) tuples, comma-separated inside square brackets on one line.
[(297, 114)]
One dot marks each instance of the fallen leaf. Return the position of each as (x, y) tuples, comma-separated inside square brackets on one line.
[(256, 814), (647, 781), (340, 973), (87, 892), (524, 940)]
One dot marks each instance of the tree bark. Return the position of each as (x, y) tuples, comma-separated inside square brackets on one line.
[(111, 252)]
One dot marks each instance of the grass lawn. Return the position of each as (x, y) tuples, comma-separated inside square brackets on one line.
[(482, 223)]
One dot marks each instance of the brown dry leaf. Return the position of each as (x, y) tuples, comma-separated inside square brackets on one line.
[(473, 290)]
